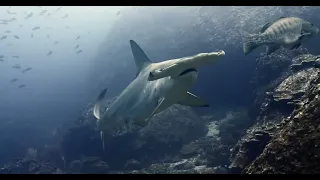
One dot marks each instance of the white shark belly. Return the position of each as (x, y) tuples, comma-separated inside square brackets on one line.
[(139, 99)]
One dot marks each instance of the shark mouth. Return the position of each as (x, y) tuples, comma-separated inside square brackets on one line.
[(187, 71)]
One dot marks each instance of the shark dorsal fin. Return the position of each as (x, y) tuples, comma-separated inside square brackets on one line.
[(140, 58)]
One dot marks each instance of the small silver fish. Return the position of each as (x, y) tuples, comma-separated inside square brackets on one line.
[(42, 12), (79, 51), (56, 42), (9, 12), (1, 56), (78, 37), (3, 37), (65, 16), (17, 37), (48, 36), (35, 28), (49, 53), (29, 15), (26, 70), (76, 47), (1, 60), (22, 86), (16, 66), (58, 9), (7, 31), (14, 80)]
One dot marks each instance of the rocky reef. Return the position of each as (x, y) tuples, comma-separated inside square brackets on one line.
[(283, 139)]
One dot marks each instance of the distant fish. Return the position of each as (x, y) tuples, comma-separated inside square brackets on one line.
[(17, 37), (65, 16), (3, 23), (20, 25), (14, 80), (26, 70), (78, 37), (7, 31), (118, 13), (15, 56), (42, 12), (56, 42), (1, 56), (67, 27), (35, 28), (29, 15), (48, 36), (89, 32), (58, 9), (12, 19), (76, 47), (3, 37), (1, 60), (16, 66), (22, 86), (31, 35), (49, 53), (79, 51), (9, 12)]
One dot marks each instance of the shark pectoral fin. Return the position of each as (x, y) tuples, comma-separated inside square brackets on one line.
[(96, 107), (189, 99), (272, 48), (158, 109), (303, 35)]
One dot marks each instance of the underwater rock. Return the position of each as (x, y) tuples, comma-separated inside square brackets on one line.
[(279, 105), (295, 149), (185, 166), (290, 91), (305, 61), (89, 165), (24, 166), (162, 138)]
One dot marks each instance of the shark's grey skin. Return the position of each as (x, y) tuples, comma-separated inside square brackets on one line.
[(144, 97)]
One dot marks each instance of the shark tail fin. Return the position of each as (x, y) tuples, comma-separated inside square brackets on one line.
[(249, 41), (140, 58), (97, 106)]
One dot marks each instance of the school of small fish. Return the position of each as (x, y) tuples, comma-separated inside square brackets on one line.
[(9, 34)]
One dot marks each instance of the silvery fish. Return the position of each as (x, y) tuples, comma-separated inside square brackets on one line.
[(288, 32)]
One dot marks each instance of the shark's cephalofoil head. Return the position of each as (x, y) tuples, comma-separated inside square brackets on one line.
[(186, 63)]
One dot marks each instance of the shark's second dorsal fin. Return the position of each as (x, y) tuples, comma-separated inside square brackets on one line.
[(140, 58), (97, 106)]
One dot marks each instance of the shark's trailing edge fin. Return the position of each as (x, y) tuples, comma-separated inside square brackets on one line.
[(97, 106), (190, 99), (140, 58)]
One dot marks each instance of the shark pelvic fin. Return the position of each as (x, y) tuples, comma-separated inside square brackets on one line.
[(97, 106), (189, 99), (140, 58), (102, 139)]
